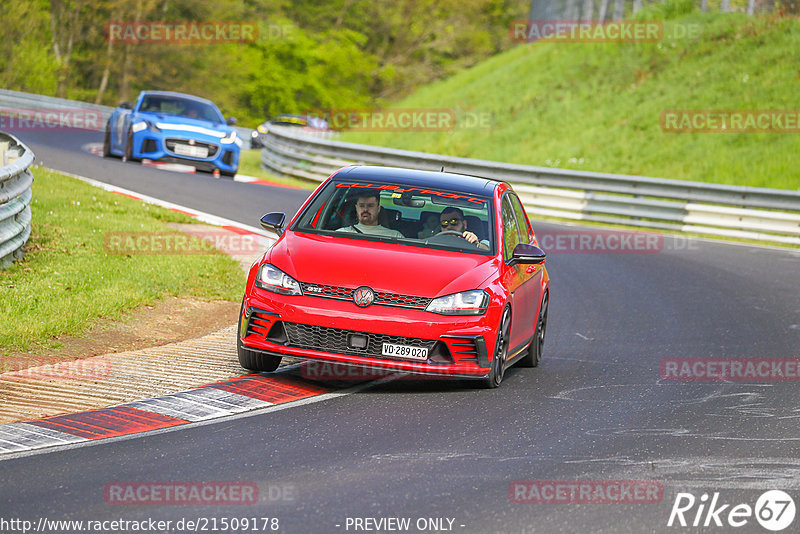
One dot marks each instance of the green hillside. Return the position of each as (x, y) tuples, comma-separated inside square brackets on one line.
[(597, 106)]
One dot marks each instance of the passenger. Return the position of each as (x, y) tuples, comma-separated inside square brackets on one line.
[(452, 219), (430, 226), (368, 210)]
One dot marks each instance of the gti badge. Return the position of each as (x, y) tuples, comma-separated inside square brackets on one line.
[(363, 296)]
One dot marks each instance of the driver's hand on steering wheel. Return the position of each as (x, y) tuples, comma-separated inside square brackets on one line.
[(472, 238)]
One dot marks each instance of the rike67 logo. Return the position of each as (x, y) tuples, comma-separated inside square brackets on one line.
[(774, 510)]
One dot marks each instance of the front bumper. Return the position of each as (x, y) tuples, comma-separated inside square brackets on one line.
[(148, 145), (320, 329)]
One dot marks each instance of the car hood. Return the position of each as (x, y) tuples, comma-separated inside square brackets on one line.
[(188, 126), (390, 267)]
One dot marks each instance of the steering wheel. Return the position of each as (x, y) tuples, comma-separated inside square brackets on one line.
[(449, 238), (450, 232)]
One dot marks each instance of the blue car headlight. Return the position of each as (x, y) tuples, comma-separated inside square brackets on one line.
[(229, 139), (144, 125)]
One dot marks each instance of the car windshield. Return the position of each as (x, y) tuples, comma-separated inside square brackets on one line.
[(419, 216), (182, 107)]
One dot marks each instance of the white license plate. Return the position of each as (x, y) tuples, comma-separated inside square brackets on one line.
[(193, 151), (405, 351)]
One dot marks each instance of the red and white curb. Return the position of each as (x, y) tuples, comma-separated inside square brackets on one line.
[(203, 405)]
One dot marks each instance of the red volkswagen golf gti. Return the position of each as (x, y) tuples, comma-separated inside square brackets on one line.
[(413, 271)]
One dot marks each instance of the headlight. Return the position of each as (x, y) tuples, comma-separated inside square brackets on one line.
[(227, 140), (273, 279), (139, 126), (472, 302)]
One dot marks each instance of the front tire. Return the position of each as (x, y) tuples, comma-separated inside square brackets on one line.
[(252, 360), (107, 143), (129, 148), (500, 353)]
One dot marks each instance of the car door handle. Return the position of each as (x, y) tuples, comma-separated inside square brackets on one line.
[(531, 269)]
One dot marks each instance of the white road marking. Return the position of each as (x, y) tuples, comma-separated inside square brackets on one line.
[(199, 404)]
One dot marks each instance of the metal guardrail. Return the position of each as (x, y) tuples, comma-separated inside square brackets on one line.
[(15, 198), (770, 215)]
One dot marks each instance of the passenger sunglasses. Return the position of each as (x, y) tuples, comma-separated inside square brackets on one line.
[(451, 222)]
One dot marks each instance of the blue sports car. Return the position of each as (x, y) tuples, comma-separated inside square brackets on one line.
[(173, 127)]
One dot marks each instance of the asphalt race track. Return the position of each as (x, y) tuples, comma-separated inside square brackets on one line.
[(447, 457)]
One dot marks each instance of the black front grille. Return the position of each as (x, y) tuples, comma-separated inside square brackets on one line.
[(406, 301), (327, 339), (170, 144), (382, 298)]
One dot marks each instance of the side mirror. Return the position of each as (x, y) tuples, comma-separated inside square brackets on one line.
[(231, 121), (274, 222), (527, 253), (126, 105)]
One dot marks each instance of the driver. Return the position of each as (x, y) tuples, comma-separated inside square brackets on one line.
[(368, 209), (452, 220)]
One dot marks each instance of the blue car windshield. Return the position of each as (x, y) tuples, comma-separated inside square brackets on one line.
[(410, 215), (181, 107)]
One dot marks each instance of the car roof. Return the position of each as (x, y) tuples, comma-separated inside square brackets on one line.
[(464, 183), (179, 95)]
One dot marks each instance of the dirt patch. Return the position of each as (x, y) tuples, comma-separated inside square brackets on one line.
[(170, 320)]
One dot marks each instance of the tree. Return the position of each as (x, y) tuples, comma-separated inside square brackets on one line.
[(65, 28)]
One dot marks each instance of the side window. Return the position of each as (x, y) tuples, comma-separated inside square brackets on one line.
[(510, 231), (524, 234)]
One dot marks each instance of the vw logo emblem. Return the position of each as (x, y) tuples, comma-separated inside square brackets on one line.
[(363, 296)]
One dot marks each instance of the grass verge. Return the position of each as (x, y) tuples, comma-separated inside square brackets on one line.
[(598, 106), (67, 281)]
